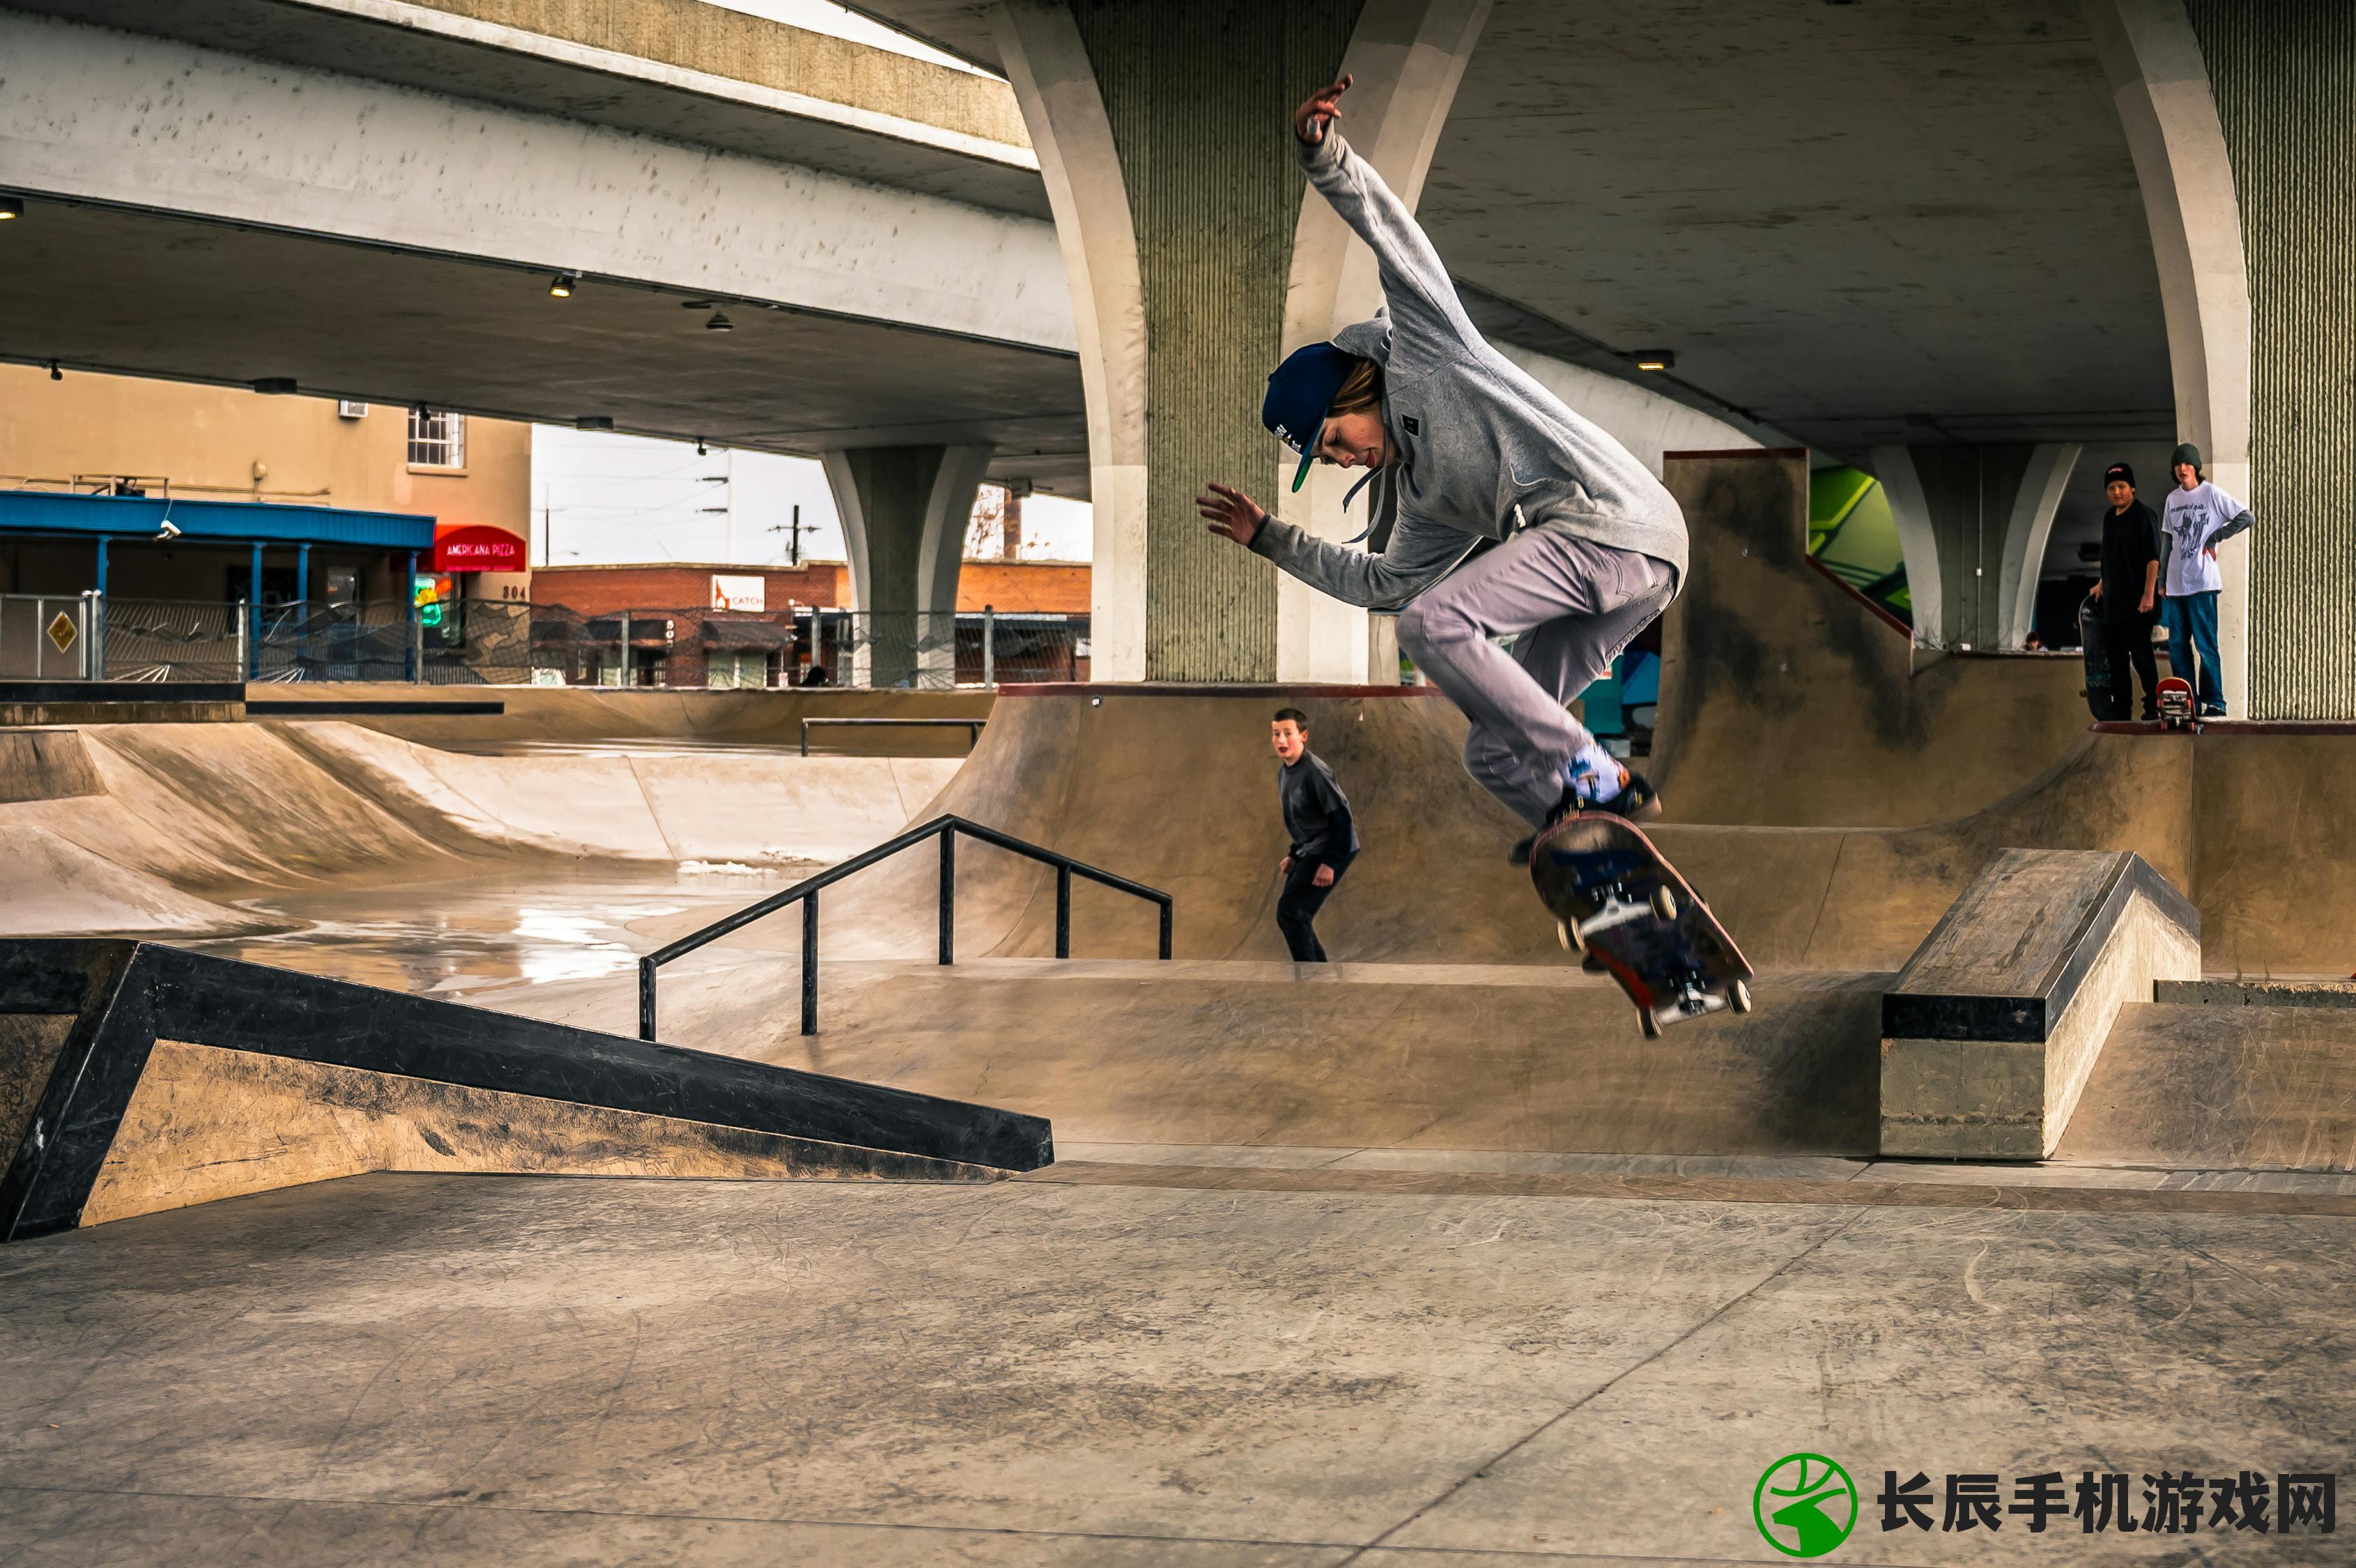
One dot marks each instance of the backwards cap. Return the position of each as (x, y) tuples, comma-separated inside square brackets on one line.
[(1299, 395)]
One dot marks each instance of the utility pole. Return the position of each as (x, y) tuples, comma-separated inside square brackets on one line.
[(793, 533), (729, 478)]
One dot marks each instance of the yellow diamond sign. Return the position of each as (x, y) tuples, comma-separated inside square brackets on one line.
[(62, 631)]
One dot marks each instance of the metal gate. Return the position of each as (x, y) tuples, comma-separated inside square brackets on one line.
[(45, 637)]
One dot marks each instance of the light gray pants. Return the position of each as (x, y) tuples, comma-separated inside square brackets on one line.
[(1571, 605)]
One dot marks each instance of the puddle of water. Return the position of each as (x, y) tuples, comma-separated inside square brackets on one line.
[(463, 938)]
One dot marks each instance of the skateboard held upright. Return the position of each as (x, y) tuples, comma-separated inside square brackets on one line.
[(1615, 898), (2174, 699), (2106, 693)]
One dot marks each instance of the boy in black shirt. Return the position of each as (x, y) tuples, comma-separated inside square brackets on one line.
[(2128, 593), (1317, 821)]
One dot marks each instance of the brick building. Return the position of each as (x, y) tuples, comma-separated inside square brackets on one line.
[(698, 624)]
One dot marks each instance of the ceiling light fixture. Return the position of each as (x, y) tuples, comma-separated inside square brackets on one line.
[(695, 304), (275, 386), (56, 374), (699, 446), (719, 323), (1653, 359), (11, 206), (594, 422), (561, 286)]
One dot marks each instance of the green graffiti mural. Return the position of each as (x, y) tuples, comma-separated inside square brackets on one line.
[(1852, 535)]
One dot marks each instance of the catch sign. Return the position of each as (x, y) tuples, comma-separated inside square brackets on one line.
[(739, 593)]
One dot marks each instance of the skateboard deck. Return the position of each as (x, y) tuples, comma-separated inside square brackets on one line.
[(2106, 698), (1615, 896), (2174, 700)]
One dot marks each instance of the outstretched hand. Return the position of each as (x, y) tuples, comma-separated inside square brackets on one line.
[(1231, 512), (1308, 120)]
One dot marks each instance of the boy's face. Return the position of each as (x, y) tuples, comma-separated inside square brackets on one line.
[(2186, 475), (2120, 492), (1289, 738)]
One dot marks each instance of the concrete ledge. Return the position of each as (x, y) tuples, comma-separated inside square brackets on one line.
[(1995, 1024), (30, 702), (2257, 992)]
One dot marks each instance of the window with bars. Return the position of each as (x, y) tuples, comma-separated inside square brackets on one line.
[(436, 439)]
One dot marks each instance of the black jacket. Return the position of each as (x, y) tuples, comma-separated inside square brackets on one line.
[(1317, 812)]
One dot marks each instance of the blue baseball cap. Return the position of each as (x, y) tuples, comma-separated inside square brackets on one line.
[(1299, 395)]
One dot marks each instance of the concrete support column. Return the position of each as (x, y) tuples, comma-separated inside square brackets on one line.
[(2025, 532), (1973, 521), (905, 510), (1163, 136), (1910, 511), (2161, 86)]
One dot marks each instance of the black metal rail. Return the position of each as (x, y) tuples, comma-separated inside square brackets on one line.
[(806, 892)]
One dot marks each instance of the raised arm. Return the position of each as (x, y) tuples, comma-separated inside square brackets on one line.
[(1416, 285), (1413, 556)]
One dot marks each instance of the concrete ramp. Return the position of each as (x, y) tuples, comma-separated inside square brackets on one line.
[(1174, 787), (151, 829), (2248, 1078), (1787, 699), (136, 1078)]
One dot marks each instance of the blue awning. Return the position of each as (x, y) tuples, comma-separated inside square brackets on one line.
[(227, 523)]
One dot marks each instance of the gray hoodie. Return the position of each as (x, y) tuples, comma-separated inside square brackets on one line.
[(1480, 450)]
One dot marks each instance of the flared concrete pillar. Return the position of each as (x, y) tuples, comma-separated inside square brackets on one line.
[(1194, 263), (1973, 521), (2160, 83), (905, 510), (2285, 99)]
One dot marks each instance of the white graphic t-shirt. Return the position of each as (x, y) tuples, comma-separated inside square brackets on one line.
[(2191, 518)]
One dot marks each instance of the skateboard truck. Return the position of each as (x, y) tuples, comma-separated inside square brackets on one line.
[(1621, 906)]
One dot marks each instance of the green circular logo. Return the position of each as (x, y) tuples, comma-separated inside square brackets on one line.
[(1805, 1505)]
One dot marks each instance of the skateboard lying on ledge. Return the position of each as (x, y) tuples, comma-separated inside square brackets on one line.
[(1614, 897)]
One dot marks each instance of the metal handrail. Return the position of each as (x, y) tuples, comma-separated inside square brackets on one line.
[(806, 892)]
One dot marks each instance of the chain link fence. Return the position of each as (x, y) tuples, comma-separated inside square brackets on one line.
[(491, 642)]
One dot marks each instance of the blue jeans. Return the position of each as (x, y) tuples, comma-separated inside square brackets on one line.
[(2191, 621)]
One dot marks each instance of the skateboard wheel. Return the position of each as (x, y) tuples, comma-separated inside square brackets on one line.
[(1665, 904), (1737, 996), (1651, 1025), (1562, 934)]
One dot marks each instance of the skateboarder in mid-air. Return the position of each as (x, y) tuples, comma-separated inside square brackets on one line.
[(1323, 840), (1497, 511)]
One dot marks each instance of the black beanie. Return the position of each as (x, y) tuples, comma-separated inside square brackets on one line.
[(2121, 473)]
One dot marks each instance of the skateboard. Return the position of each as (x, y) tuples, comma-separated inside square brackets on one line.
[(1615, 896), (2106, 696), (2175, 698)]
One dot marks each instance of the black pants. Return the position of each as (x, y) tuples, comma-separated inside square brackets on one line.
[(2126, 640), (1297, 905)]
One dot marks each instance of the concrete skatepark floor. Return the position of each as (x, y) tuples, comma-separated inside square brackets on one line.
[(578, 1371), (477, 938)]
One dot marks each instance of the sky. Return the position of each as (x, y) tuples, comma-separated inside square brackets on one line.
[(602, 499), (824, 17)]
